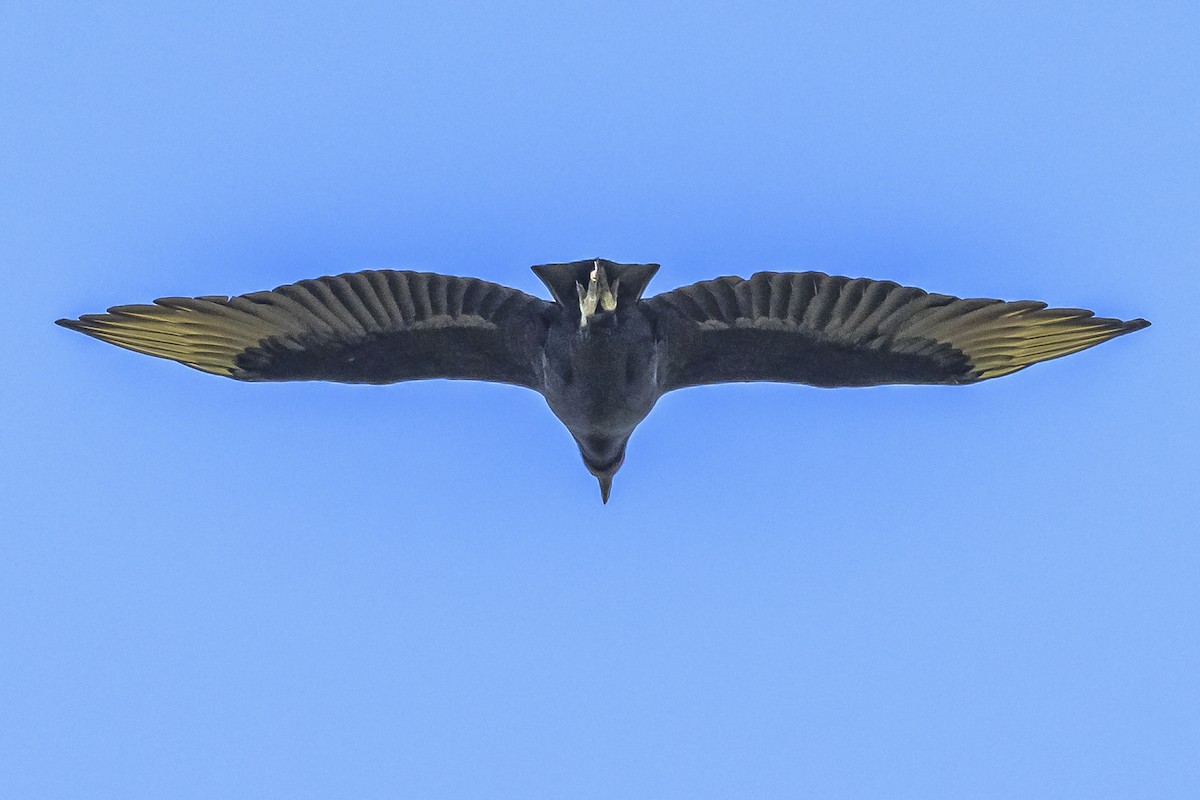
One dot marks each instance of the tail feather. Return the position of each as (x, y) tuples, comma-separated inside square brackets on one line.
[(561, 280)]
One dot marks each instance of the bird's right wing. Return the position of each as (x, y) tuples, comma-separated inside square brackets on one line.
[(823, 330), (364, 327)]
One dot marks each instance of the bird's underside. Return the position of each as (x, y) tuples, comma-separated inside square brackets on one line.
[(599, 353)]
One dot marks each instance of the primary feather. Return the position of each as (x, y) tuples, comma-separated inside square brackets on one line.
[(809, 327), (363, 327)]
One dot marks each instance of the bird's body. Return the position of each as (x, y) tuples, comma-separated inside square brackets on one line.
[(600, 354), (601, 380)]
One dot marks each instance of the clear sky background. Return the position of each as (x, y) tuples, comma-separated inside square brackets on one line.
[(213, 589)]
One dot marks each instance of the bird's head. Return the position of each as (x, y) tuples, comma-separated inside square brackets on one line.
[(603, 456)]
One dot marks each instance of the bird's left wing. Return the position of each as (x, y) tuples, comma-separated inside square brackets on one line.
[(363, 327), (824, 330)]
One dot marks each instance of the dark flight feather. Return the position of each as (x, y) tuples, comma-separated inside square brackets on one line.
[(364, 327), (813, 328)]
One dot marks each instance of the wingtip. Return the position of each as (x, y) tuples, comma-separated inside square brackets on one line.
[(1136, 325)]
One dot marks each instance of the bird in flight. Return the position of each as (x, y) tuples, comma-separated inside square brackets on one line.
[(600, 354)]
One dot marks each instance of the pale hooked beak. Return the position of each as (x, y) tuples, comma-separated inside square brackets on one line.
[(598, 294)]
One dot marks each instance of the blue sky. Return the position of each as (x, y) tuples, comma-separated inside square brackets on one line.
[(213, 589)]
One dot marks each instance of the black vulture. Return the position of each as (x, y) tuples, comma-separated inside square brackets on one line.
[(599, 353)]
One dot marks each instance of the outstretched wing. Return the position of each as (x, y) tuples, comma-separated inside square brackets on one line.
[(363, 327), (823, 330)]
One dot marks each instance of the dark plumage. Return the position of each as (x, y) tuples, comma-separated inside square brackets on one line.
[(599, 354)]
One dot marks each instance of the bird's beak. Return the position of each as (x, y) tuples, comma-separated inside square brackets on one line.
[(605, 487)]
